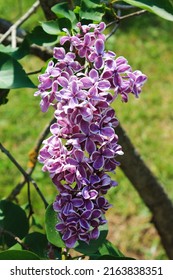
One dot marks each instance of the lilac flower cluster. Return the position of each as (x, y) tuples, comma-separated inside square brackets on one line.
[(80, 85)]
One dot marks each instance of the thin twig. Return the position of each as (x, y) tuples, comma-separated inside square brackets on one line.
[(119, 18), (29, 201), (21, 20), (115, 27), (39, 51), (32, 161), (26, 175), (138, 13), (16, 238)]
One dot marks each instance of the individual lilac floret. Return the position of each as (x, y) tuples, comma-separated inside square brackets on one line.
[(80, 84)]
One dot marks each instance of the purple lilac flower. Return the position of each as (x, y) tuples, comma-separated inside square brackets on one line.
[(83, 146)]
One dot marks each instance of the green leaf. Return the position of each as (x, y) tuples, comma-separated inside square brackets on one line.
[(7, 49), (107, 248), (13, 221), (23, 50), (17, 53), (53, 235), (51, 27), (18, 255), (162, 8), (65, 23), (37, 243), (56, 27), (62, 11), (12, 74), (92, 247), (39, 37), (91, 10)]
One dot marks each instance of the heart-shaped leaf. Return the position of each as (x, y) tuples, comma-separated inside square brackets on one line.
[(13, 223), (53, 235), (12, 74), (18, 255)]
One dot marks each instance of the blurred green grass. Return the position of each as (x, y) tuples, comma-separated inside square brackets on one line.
[(146, 42)]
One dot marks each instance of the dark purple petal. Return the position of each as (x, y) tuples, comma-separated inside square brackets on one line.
[(110, 165), (94, 179), (96, 214), (82, 170), (84, 237), (66, 235), (99, 46), (60, 226), (71, 161), (80, 136), (94, 128), (84, 224), (108, 131), (98, 62), (84, 125), (105, 180), (99, 162), (67, 208), (70, 177), (90, 146), (86, 214), (102, 104), (95, 233), (77, 202), (89, 204), (79, 155), (94, 223), (108, 153), (101, 201), (107, 74), (71, 241)]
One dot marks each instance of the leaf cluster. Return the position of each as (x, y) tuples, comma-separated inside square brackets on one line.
[(18, 243)]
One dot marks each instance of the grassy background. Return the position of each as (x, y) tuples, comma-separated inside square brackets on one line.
[(146, 42)]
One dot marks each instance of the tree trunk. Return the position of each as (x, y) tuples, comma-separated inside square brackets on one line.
[(150, 190)]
